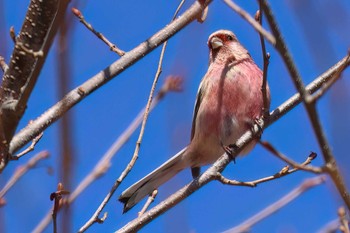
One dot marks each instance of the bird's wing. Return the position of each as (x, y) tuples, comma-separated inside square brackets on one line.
[(196, 108), (196, 170)]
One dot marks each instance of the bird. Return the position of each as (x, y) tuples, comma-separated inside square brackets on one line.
[(229, 101)]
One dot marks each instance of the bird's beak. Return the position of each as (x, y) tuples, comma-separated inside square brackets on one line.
[(216, 42)]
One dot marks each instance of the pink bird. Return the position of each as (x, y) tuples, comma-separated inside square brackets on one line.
[(229, 101)]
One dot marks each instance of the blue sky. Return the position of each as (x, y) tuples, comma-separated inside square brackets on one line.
[(317, 36)]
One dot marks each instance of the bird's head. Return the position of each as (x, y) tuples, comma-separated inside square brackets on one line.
[(224, 47)]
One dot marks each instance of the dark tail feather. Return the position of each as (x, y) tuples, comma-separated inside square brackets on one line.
[(152, 181)]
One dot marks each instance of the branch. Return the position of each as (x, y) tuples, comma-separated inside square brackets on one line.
[(79, 93), (57, 196), (281, 156), (302, 188), (132, 162), (102, 166), (111, 46), (283, 172), (245, 15), (29, 54), (326, 86), (29, 148), (224, 160), (148, 202), (266, 61), (331, 166)]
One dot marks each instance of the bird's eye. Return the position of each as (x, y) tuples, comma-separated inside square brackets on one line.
[(229, 37)]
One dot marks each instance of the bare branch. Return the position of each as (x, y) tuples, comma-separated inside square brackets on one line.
[(111, 46), (245, 15), (224, 160), (281, 156), (18, 81), (29, 148), (283, 172), (139, 140), (274, 207), (148, 202), (325, 87), (331, 166), (57, 196), (79, 93), (266, 61), (102, 166), (21, 170)]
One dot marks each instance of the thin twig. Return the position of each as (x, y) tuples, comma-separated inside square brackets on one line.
[(130, 165), (266, 61), (56, 197), (274, 207), (171, 84), (245, 15), (29, 148), (95, 82), (111, 46), (331, 166), (326, 86), (21, 170), (281, 156), (283, 172), (223, 161), (148, 202)]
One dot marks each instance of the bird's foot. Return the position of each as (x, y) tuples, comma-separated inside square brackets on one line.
[(229, 149), (257, 121)]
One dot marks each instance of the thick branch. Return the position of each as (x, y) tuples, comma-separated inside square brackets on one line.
[(35, 37)]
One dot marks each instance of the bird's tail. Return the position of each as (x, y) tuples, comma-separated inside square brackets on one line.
[(152, 181)]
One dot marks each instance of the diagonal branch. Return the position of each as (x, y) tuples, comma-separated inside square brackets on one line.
[(310, 106), (131, 57), (172, 84), (224, 160), (274, 207)]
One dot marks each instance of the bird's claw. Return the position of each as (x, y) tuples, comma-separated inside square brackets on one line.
[(257, 121), (229, 149)]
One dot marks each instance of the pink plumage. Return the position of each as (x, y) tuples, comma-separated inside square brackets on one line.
[(228, 102)]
